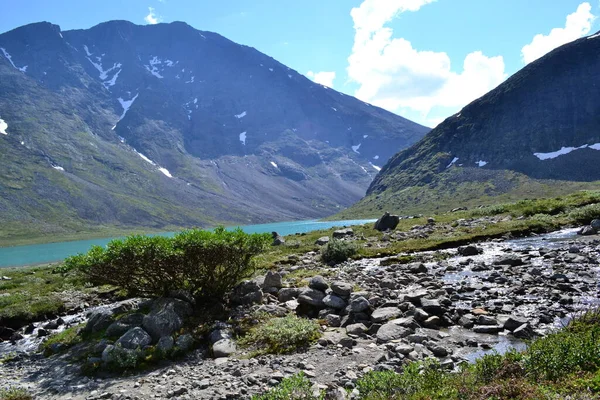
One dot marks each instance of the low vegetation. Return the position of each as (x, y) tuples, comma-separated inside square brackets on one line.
[(296, 387), (15, 394), (337, 251), (282, 335), (206, 263)]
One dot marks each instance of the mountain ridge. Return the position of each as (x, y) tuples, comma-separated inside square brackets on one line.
[(179, 127)]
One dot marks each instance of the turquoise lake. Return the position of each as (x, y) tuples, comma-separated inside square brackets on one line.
[(18, 256)]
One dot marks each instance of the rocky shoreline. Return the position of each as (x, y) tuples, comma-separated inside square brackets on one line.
[(453, 305)]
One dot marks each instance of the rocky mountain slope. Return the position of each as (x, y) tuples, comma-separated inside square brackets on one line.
[(165, 125), (538, 133)]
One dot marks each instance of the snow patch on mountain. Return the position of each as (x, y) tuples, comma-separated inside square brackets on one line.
[(454, 160), (152, 67), (375, 167), (242, 115), (9, 58), (126, 104), (3, 127), (144, 157), (355, 148), (273, 163), (243, 138), (481, 163), (165, 171), (376, 158), (565, 150)]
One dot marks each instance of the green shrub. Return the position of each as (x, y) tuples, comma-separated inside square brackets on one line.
[(296, 387), (338, 251), (15, 394), (585, 214), (565, 352), (206, 263), (282, 335), (417, 381)]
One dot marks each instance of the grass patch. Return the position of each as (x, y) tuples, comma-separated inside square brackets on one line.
[(282, 335), (68, 338), (15, 394), (296, 387)]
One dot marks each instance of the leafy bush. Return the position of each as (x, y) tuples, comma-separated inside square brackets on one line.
[(338, 251), (585, 214), (565, 352), (296, 387), (15, 394), (206, 263), (282, 335), (417, 380)]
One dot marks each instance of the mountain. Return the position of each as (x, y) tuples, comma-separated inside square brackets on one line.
[(536, 134), (167, 126)]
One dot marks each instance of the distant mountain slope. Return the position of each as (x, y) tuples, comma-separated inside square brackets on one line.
[(164, 125), (539, 129)]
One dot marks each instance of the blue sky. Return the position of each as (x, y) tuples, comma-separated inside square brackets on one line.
[(423, 59)]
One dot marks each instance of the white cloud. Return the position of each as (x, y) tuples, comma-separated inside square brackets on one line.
[(392, 74), (325, 78), (152, 18), (578, 24)]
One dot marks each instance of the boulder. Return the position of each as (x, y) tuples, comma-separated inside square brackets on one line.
[(287, 294), (272, 280), (587, 231), (272, 309), (385, 314), (489, 329), (118, 328), (322, 241), (317, 282), (224, 348), (359, 304), (185, 342), (514, 322), (342, 289), (392, 331), (165, 344), (166, 317), (277, 239), (470, 250), (247, 292), (334, 301), (312, 297), (356, 329), (342, 233), (98, 321), (134, 338), (387, 222), (595, 224), (333, 320)]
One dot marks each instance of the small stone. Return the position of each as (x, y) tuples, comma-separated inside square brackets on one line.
[(272, 280), (322, 241), (334, 301), (342, 289), (356, 329), (359, 304)]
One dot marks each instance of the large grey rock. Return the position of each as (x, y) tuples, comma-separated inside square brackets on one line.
[(342, 233), (334, 301), (247, 292), (587, 231), (167, 316), (514, 322), (387, 221), (356, 329), (392, 331), (119, 327), (135, 338), (224, 348), (470, 250), (287, 294), (219, 334), (185, 342), (312, 297), (272, 280), (318, 282), (272, 309), (98, 321), (359, 304), (385, 314), (510, 259), (322, 241), (343, 289), (432, 306), (595, 224), (165, 344)]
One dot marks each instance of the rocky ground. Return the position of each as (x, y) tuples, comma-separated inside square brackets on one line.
[(453, 305)]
